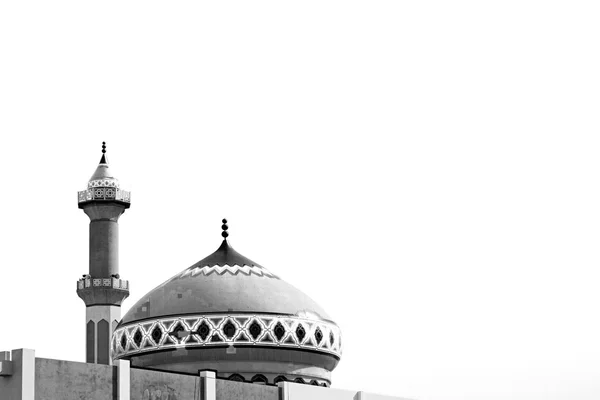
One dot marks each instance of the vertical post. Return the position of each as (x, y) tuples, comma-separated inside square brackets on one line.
[(208, 385), (123, 380), (284, 393), (28, 373)]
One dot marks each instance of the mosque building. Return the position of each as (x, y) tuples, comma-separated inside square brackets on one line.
[(224, 328)]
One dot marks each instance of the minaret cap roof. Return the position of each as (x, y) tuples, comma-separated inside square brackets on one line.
[(103, 171), (103, 185)]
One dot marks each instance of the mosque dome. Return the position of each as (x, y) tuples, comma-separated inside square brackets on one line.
[(229, 314)]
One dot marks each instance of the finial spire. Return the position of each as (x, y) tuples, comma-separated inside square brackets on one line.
[(103, 159), (224, 227)]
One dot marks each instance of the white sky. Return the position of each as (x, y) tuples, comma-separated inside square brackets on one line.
[(427, 171)]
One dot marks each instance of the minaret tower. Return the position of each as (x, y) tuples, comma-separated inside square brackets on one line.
[(101, 289)]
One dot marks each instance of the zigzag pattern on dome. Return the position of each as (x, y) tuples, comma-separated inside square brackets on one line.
[(231, 269), (197, 331)]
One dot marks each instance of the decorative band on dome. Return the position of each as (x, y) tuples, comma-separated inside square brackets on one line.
[(213, 330), (231, 269)]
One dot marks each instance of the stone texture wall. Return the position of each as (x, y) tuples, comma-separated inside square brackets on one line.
[(18, 385), (229, 390), (155, 385), (68, 380)]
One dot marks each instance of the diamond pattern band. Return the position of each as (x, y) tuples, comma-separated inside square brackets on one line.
[(197, 331), (111, 182)]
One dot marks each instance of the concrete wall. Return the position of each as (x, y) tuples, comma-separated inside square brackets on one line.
[(19, 385), (45, 379), (155, 385), (229, 390), (68, 380)]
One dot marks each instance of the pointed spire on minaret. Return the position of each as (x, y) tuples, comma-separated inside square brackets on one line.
[(103, 185), (103, 160)]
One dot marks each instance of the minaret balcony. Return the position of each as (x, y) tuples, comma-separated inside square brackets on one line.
[(104, 194), (112, 283), (102, 291)]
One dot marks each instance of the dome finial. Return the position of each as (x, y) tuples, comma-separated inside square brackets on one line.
[(103, 159), (224, 227)]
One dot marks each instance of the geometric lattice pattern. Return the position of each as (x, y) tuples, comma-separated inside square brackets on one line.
[(226, 329), (103, 189), (103, 183), (233, 270), (106, 282), (104, 194)]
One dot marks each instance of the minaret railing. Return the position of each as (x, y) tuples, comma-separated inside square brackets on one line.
[(112, 283)]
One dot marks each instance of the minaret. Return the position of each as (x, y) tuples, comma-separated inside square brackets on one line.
[(101, 289)]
